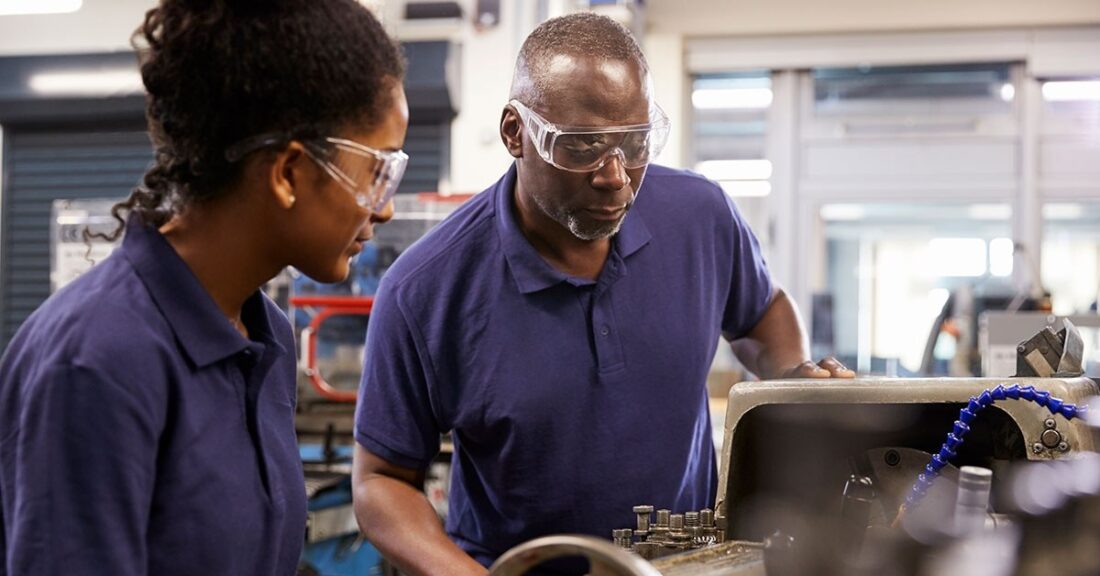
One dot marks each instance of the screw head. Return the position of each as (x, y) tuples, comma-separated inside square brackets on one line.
[(892, 458), (1048, 423), (1063, 446), (1037, 448)]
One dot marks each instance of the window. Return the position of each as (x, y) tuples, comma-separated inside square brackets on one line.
[(891, 269)]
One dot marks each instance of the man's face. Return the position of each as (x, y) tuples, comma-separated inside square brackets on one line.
[(587, 92)]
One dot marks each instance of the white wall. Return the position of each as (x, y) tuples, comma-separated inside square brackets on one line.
[(99, 26), (754, 17)]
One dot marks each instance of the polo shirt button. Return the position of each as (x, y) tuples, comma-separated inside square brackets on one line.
[(605, 331)]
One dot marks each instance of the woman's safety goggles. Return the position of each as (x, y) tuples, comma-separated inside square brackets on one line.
[(371, 175), (588, 149)]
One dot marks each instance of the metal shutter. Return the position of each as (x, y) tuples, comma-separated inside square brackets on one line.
[(426, 145), (43, 165)]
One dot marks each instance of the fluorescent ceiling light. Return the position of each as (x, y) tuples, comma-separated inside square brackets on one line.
[(731, 98), (92, 83), (1008, 92), (843, 212), (735, 169), (1055, 211), (25, 7), (990, 211), (1071, 90), (746, 188)]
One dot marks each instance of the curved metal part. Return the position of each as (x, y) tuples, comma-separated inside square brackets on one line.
[(605, 559), (330, 307)]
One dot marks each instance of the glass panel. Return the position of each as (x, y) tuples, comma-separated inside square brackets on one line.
[(1071, 256), (729, 140), (962, 88), (892, 269), (729, 131)]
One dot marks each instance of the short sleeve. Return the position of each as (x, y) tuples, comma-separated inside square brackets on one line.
[(750, 284), (85, 469), (394, 416)]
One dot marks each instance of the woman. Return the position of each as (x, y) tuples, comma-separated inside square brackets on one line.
[(147, 410)]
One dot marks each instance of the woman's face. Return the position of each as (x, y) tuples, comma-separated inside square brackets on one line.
[(334, 226)]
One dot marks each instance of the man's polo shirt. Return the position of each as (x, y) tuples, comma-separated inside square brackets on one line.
[(140, 433), (570, 400)]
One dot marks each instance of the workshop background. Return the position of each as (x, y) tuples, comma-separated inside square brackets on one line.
[(924, 177)]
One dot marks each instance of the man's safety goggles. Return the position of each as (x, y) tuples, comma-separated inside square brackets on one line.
[(588, 149), (371, 175)]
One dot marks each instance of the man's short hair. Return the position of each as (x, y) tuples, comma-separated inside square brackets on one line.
[(579, 34)]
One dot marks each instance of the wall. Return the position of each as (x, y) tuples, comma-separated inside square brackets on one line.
[(99, 26), (753, 17)]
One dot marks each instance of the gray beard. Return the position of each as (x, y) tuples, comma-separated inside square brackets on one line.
[(572, 223)]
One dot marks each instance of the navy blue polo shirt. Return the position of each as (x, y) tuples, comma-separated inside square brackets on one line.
[(570, 400), (140, 433)]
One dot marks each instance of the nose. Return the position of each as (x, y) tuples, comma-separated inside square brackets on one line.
[(612, 175), (384, 215)]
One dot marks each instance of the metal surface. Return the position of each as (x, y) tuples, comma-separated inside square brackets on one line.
[(866, 393), (731, 558), (330, 522), (1001, 332), (605, 559), (1049, 353)]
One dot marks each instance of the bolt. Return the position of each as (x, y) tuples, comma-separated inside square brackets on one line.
[(892, 458), (676, 522), (1063, 446), (663, 517), (643, 513), (1049, 423), (706, 517), (1037, 448)]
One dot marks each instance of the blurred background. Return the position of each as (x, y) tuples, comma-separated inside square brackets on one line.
[(907, 166), (924, 177)]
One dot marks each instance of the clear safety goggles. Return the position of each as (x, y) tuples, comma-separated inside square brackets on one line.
[(371, 175), (578, 149)]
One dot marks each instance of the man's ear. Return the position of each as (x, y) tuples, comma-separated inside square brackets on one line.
[(511, 132), (286, 173)]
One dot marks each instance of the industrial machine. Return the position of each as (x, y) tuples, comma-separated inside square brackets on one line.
[(873, 476)]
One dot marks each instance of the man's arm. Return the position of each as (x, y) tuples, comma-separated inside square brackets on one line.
[(777, 347), (397, 518)]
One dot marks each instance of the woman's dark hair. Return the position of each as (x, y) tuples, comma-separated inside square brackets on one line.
[(219, 71)]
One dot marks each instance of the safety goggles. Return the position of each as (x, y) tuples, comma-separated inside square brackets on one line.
[(577, 149), (371, 175)]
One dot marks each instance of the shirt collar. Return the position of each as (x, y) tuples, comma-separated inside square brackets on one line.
[(529, 270), (203, 331)]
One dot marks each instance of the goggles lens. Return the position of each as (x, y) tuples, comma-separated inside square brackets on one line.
[(588, 149), (371, 175)]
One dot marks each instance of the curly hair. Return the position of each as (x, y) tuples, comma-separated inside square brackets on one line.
[(219, 71), (579, 34)]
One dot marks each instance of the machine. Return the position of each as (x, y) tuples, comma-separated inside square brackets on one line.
[(862, 476)]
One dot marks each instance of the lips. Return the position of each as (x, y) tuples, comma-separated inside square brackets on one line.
[(605, 213)]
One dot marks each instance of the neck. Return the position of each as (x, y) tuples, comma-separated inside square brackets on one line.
[(556, 244), (224, 255)]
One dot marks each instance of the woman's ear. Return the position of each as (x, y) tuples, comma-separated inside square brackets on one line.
[(287, 174), (511, 132)]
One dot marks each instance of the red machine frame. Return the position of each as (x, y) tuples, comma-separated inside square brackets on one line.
[(327, 306)]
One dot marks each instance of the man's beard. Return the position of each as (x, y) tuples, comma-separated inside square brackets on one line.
[(572, 221)]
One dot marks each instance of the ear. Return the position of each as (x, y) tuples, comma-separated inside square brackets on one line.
[(511, 132), (287, 173)]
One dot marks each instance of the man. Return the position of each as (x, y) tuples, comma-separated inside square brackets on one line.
[(561, 325)]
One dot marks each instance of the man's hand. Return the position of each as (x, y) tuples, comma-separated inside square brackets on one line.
[(828, 367)]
